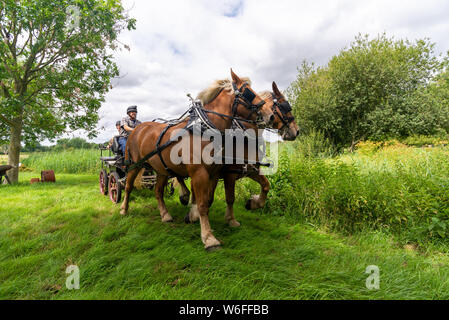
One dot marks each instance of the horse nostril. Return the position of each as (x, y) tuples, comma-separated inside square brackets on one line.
[(272, 119)]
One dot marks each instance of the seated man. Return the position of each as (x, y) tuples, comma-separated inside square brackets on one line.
[(118, 126), (128, 124)]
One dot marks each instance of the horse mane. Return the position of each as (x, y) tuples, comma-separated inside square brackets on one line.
[(211, 93), (265, 95)]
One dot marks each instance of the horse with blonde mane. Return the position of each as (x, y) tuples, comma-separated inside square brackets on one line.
[(286, 126), (150, 144)]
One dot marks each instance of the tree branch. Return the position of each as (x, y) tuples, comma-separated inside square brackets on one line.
[(9, 122), (6, 92), (30, 35)]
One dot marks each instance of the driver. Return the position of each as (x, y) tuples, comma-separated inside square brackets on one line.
[(127, 125)]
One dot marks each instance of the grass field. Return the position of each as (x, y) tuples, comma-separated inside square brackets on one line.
[(275, 254)]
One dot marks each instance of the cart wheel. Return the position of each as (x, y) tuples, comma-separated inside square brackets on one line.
[(170, 188), (115, 188), (104, 182)]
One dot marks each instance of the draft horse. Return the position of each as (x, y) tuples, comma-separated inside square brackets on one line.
[(150, 144), (288, 129), (286, 126)]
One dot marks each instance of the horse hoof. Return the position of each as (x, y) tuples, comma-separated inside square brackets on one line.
[(234, 224), (184, 200), (123, 212), (187, 219), (248, 205), (167, 219), (213, 248)]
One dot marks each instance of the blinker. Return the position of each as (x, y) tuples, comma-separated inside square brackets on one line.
[(248, 95), (285, 107)]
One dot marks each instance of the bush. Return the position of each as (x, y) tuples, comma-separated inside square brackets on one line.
[(421, 141), (314, 145), (375, 89)]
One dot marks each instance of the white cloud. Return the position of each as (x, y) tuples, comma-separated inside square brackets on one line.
[(179, 46)]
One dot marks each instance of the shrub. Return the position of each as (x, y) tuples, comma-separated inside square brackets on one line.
[(421, 140), (314, 145), (374, 89)]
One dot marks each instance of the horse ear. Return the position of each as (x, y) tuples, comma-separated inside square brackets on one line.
[(276, 91), (235, 78)]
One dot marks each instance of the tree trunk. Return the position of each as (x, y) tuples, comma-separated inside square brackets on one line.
[(14, 150)]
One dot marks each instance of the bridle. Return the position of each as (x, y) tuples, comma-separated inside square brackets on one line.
[(284, 109), (245, 97)]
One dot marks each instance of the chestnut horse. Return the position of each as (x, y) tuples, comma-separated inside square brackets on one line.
[(285, 124), (289, 131), (226, 104)]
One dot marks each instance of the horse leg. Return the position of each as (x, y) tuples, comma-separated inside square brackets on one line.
[(212, 188), (130, 178), (258, 201), (161, 182), (184, 193), (193, 215), (229, 183), (202, 187)]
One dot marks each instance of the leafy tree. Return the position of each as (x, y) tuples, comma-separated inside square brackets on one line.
[(375, 89), (35, 147), (55, 66), (75, 143)]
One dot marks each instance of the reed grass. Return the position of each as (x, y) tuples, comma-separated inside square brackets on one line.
[(66, 161)]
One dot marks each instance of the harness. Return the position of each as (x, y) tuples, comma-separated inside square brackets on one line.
[(198, 115), (284, 108)]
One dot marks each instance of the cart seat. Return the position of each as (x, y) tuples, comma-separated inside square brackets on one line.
[(115, 148)]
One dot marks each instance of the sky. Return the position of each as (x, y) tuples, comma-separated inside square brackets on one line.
[(180, 47)]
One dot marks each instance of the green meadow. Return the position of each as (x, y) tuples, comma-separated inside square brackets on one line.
[(327, 219)]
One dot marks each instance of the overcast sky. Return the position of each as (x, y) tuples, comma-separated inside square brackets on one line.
[(179, 47)]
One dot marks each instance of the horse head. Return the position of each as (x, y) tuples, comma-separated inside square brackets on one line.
[(249, 105), (284, 120)]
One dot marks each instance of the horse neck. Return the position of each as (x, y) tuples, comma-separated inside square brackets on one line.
[(221, 104)]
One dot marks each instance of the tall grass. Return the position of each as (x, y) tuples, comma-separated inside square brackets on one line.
[(397, 188), (67, 161)]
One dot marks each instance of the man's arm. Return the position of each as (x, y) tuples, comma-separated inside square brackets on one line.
[(110, 143), (127, 128)]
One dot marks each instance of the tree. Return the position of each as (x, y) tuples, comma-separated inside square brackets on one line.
[(374, 89), (55, 66), (75, 143)]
